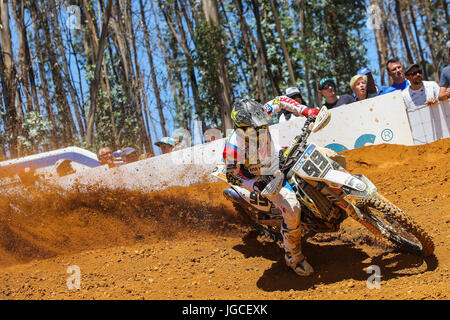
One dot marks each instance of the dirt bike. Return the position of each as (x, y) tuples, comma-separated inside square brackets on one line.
[(328, 194)]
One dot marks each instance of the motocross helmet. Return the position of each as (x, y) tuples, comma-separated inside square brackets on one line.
[(249, 113)]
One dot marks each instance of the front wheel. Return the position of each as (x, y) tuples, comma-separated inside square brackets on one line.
[(396, 225)]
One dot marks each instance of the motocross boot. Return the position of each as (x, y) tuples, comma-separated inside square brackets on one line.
[(299, 264)]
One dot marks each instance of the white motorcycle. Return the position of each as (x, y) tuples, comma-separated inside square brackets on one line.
[(328, 194)]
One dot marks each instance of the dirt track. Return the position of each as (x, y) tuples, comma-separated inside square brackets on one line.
[(186, 243)]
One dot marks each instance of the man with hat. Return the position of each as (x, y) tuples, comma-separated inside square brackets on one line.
[(166, 144), (444, 90), (327, 88), (293, 93), (419, 92)]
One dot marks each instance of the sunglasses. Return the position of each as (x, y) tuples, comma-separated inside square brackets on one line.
[(326, 85), (413, 73)]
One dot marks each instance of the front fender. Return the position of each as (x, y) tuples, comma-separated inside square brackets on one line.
[(357, 185), (368, 191)]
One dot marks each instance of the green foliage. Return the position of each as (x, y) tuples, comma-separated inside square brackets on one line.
[(208, 51), (36, 129), (332, 46)]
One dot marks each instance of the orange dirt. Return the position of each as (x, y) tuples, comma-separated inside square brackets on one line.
[(187, 243)]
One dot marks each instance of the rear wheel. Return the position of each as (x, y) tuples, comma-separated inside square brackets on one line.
[(396, 225)]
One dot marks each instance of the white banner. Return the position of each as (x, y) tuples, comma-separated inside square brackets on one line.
[(429, 124), (381, 119), (378, 120)]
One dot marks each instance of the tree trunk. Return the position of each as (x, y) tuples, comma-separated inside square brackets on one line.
[(306, 50), (248, 38), (283, 43), (381, 46), (190, 66), (236, 50), (159, 104), (68, 124), (62, 51), (180, 38), (398, 13), (262, 48), (177, 97), (412, 14), (410, 38), (211, 12), (9, 85), (28, 83), (43, 86), (96, 80), (430, 41), (447, 18), (145, 136), (389, 44)]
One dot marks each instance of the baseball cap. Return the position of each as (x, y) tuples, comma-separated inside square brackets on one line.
[(324, 81), (409, 67), (167, 140), (364, 71), (292, 91)]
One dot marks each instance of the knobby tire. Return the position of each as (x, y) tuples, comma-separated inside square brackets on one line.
[(393, 214)]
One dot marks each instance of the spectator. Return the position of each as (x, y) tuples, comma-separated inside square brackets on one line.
[(419, 92), (444, 90), (295, 94), (359, 86), (166, 144), (212, 133), (178, 144), (395, 71), (105, 156), (64, 167), (371, 86), (327, 88), (129, 155), (182, 138)]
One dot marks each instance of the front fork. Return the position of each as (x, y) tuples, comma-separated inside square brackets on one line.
[(358, 216), (344, 201)]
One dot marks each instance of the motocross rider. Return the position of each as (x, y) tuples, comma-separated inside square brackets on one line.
[(243, 169)]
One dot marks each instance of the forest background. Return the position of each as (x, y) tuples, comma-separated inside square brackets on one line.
[(119, 73)]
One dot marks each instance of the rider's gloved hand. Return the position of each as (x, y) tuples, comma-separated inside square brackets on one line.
[(310, 112)]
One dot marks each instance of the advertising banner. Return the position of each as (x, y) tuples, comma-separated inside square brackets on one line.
[(378, 120), (429, 124)]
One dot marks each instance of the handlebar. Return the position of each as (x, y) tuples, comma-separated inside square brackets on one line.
[(296, 148)]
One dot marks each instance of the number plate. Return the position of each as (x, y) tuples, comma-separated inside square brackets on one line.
[(312, 163)]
